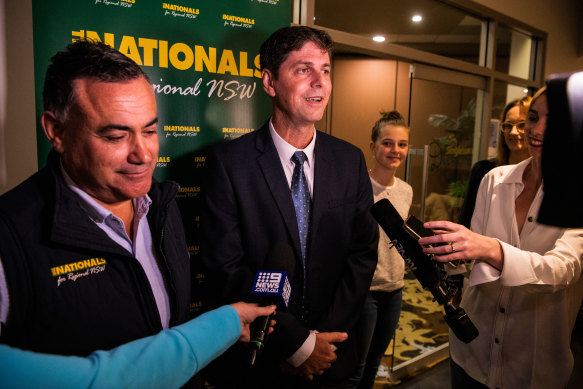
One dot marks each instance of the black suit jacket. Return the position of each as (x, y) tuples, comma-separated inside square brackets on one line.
[(248, 208)]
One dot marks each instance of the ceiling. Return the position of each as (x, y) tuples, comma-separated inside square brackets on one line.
[(444, 30)]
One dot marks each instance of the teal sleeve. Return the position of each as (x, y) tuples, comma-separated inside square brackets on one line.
[(168, 359)]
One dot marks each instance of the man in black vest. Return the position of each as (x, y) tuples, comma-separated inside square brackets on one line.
[(93, 252)]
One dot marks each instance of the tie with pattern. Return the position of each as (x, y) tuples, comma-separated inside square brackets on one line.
[(301, 198)]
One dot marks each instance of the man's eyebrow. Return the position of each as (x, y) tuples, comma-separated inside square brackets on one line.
[(307, 62), (113, 127), (153, 122), (120, 127)]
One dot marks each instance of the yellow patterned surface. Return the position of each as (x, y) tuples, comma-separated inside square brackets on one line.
[(421, 325)]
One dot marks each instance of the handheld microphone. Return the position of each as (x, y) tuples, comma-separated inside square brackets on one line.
[(274, 285), (423, 268)]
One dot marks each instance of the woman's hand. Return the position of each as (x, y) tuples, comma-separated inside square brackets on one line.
[(461, 244), (248, 313)]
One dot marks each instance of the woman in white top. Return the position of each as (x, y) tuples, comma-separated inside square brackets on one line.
[(525, 287), (382, 308)]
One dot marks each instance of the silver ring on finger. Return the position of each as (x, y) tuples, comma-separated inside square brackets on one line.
[(452, 247)]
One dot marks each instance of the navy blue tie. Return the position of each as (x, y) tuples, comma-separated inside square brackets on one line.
[(302, 201)]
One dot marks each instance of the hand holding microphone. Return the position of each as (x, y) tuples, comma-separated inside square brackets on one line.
[(423, 268), (249, 313), (274, 287), (461, 243)]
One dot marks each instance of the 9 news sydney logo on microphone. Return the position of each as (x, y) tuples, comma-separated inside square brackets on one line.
[(272, 283)]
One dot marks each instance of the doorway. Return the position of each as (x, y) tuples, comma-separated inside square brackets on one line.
[(445, 139)]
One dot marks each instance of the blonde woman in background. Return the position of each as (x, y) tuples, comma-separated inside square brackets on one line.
[(510, 149)]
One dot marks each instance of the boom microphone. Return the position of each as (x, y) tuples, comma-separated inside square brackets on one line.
[(424, 269), (272, 283)]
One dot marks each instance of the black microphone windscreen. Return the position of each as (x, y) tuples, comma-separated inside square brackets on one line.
[(385, 214), (280, 258), (422, 267)]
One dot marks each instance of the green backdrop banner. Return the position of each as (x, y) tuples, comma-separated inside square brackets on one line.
[(202, 57)]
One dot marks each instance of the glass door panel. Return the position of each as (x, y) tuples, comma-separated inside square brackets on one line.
[(442, 117)]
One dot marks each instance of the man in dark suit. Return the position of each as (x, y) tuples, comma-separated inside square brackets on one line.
[(252, 200)]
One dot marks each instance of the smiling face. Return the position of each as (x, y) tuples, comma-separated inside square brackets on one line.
[(300, 92), (536, 124), (515, 139), (109, 143), (390, 148)]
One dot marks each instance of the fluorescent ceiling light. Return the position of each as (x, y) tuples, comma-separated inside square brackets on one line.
[(417, 18), (378, 38)]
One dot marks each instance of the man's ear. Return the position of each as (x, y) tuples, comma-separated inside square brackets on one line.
[(53, 130), (268, 82)]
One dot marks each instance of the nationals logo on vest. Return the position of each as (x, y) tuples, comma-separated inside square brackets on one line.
[(75, 270)]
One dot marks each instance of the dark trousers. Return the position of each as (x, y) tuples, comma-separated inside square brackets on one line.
[(376, 327), (461, 380)]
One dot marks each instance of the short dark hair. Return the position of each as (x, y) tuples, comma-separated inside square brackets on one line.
[(275, 50), (84, 59)]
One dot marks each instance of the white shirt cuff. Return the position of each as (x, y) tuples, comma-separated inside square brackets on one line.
[(304, 351), (518, 268), (483, 272)]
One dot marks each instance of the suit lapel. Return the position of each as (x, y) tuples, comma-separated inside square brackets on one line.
[(270, 165), (323, 184)]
